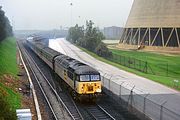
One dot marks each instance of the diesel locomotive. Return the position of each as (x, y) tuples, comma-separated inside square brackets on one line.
[(83, 80)]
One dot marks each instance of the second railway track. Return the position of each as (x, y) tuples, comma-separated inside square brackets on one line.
[(98, 113)]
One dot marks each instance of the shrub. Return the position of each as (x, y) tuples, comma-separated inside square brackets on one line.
[(103, 51)]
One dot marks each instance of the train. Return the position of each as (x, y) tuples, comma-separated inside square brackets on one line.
[(83, 80)]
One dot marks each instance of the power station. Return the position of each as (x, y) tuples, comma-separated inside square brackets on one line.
[(153, 23)]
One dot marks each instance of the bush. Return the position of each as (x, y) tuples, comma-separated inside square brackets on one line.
[(103, 51)]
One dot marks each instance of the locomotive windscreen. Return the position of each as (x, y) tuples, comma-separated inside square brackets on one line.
[(86, 78)]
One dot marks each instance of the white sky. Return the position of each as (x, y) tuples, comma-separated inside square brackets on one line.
[(51, 14)]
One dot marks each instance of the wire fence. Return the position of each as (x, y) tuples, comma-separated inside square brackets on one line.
[(135, 100), (158, 68)]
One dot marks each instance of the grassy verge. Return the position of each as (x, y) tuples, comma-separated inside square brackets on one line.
[(9, 67), (12, 97), (152, 58), (8, 57)]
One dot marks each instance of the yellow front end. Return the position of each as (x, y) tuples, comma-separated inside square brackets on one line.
[(88, 87)]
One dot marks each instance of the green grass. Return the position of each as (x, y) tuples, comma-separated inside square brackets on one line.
[(154, 60), (8, 57), (162, 65), (8, 66), (13, 98)]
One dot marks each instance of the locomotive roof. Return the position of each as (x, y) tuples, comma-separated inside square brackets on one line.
[(81, 68), (75, 65), (85, 69)]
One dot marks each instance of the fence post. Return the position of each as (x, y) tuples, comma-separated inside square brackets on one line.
[(129, 62), (109, 81), (134, 64), (146, 67), (120, 59), (144, 107), (167, 72), (131, 98), (103, 79), (120, 89), (140, 65), (161, 112), (124, 61), (110, 84)]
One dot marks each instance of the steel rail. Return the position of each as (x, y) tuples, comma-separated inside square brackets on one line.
[(57, 95), (34, 74), (106, 112), (98, 113)]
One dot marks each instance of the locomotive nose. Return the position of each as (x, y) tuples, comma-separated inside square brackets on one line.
[(90, 87)]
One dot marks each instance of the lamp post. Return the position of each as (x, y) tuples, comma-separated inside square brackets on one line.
[(71, 4)]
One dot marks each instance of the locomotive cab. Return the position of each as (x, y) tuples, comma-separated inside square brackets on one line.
[(88, 84)]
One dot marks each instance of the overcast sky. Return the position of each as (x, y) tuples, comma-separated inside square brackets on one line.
[(51, 14)]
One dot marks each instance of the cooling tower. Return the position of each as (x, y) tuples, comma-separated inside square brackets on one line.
[(153, 23)]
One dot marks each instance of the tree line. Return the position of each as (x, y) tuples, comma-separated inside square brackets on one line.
[(5, 27), (89, 37), (7, 112)]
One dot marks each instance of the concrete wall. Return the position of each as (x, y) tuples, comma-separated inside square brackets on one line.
[(154, 13)]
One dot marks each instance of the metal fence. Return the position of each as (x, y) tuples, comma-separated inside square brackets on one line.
[(158, 68), (130, 62), (137, 101)]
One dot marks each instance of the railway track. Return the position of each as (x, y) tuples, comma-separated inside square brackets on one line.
[(98, 113), (55, 101), (65, 99)]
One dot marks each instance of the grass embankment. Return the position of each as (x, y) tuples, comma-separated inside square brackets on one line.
[(9, 70), (157, 62)]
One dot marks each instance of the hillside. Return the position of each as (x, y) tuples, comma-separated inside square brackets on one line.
[(8, 75)]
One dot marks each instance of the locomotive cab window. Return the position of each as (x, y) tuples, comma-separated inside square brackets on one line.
[(84, 78), (95, 77)]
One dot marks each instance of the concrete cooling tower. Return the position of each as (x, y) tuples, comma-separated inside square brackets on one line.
[(153, 23)]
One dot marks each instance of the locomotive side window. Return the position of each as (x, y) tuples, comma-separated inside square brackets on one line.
[(95, 77), (84, 78)]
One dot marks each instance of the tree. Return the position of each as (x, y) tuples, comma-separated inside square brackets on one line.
[(75, 34), (93, 36), (90, 38), (5, 27)]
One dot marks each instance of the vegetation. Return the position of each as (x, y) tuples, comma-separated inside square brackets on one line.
[(5, 27), (173, 61), (103, 51), (89, 38), (7, 112), (8, 57), (160, 68), (9, 100), (161, 65), (75, 34)]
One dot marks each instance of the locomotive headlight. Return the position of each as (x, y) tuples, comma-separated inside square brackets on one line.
[(98, 90)]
